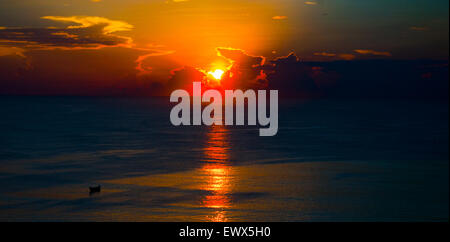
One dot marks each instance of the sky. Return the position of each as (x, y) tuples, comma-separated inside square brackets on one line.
[(107, 47)]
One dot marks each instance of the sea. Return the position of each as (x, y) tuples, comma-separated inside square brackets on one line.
[(332, 160)]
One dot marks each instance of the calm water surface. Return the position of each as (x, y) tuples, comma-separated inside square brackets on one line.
[(332, 160)]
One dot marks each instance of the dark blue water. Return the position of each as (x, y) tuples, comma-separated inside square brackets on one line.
[(332, 160)]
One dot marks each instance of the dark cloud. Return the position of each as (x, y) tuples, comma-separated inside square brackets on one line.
[(240, 58), (88, 32), (247, 71), (292, 76), (339, 78), (359, 78), (182, 78), (92, 36)]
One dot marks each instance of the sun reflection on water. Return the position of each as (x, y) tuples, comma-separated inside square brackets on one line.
[(217, 173)]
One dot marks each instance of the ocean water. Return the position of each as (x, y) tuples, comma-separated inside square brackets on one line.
[(332, 160)]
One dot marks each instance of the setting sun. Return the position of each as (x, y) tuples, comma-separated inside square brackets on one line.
[(217, 74)]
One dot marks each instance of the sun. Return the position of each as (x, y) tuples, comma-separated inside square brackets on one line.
[(217, 74)]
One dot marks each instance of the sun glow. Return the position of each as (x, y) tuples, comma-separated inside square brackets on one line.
[(217, 74)]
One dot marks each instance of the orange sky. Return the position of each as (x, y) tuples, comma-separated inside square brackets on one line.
[(105, 44)]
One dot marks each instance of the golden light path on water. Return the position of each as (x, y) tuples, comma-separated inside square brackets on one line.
[(215, 178), (217, 173)]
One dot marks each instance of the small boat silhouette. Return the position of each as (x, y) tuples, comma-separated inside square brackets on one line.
[(95, 189)]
